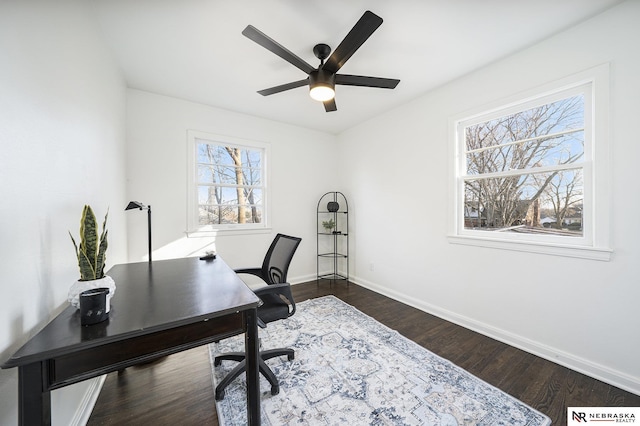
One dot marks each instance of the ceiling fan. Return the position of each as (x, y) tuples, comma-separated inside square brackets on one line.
[(322, 80)]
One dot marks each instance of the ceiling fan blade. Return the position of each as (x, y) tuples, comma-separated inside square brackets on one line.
[(283, 87), (368, 23), (268, 43), (361, 80), (330, 105)]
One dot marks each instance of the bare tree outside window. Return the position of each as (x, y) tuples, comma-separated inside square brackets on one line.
[(229, 184), (564, 195), (524, 170)]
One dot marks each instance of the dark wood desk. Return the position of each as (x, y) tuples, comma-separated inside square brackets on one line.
[(158, 309)]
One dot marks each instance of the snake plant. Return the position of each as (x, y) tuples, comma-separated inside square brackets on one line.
[(91, 253)]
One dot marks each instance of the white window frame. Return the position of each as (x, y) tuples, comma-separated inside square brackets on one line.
[(194, 229), (594, 244)]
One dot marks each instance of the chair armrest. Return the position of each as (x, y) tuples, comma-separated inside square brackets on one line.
[(282, 289), (252, 271)]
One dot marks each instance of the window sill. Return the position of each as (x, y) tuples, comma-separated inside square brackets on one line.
[(591, 253), (226, 232)]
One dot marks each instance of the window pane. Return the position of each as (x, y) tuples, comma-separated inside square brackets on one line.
[(206, 173), (218, 164), (227, 174), (219, 154), (207, 195), (253, 195), (252, 175), (224, 205), (548, 151), (210, 153), (539, 203), (217, 215), (215, 194)]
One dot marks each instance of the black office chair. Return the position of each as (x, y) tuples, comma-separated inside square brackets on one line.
[(277, 304)]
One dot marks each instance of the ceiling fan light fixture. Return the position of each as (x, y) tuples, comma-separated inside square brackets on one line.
[(322, 93), (321, 86)]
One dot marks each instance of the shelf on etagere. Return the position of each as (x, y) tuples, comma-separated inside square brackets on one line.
[(332, 276), (331, 255)]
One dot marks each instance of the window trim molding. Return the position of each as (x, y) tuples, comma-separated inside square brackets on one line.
[(192, 227), (596, 169)]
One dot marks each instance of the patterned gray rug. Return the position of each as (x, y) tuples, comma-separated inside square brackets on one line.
[(350, 369)]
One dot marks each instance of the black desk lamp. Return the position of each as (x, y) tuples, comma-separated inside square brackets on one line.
[(139, 205)]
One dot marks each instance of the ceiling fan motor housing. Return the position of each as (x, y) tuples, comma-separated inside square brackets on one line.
[(322, 78)]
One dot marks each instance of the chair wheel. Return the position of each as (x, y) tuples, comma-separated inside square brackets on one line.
[(291, 357), (219, 395), (217, 362), (275, 390)]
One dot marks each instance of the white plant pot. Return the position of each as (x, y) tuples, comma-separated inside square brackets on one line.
[(80, 286)]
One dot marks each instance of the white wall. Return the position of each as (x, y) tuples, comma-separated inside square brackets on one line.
[(302, 168), (61, 146), (577, 312)]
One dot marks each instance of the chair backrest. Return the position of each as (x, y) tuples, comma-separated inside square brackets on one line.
[(278, 257)]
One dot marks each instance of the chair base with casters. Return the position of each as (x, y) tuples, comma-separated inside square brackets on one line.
[(242, 367), (272, 309)]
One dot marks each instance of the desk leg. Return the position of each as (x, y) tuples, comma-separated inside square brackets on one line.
[(34, 402), (253, 373)]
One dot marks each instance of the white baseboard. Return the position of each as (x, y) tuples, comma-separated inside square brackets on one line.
[(574, 362), (312, 277), (302, 279), (87, 403)]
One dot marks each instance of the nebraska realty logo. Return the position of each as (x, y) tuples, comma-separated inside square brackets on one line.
[(582, 415)]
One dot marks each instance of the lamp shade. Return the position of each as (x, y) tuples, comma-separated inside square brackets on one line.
[(322, 85), (322, 93), (135, 205)]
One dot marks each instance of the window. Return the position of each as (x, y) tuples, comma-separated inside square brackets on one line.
[(228, 183), (528, 173)]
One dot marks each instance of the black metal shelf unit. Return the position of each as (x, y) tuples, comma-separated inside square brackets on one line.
[(333, 237)]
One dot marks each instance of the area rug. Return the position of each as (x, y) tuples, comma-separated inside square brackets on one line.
[(350, 369)]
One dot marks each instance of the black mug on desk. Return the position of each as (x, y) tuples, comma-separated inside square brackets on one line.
[(93, 306)]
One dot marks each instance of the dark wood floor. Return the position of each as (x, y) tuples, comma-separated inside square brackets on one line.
[(177, 389)]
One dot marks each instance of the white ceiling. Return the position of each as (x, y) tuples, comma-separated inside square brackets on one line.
[(194, 49)]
